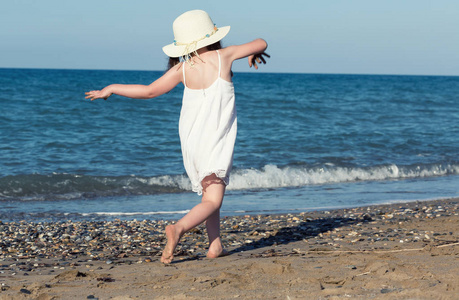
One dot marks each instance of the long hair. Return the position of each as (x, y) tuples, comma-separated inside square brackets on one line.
[(176, 60)]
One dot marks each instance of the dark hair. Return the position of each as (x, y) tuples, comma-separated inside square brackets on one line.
[(176, 60), (214, 46), (172, 62)]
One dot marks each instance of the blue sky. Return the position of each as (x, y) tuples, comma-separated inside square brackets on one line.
[(358, 37)]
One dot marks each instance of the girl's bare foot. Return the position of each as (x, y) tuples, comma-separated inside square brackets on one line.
[(172, 240), (211, 254)]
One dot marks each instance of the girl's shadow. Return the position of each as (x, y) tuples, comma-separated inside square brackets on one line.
[(303, 230)]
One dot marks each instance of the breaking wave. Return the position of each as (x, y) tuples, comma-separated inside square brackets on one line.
[(71, 186)]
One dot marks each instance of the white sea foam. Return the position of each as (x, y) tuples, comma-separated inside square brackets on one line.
[(272, 176), (179, 181)]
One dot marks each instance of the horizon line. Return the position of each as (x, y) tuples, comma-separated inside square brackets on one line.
[(253, 72)]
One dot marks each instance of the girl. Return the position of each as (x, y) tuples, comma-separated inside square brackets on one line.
[(207, 125)]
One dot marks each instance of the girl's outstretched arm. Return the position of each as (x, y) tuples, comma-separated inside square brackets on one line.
[(253, 50), (160, 86)]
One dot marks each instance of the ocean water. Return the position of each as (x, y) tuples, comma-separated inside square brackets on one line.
[(305, 142)]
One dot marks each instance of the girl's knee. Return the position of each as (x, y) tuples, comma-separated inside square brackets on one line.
[(215, 201)]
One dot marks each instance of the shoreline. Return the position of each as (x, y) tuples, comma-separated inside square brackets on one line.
[(403, 250)]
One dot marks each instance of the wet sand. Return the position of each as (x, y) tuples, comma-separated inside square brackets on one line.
[(401, 251)]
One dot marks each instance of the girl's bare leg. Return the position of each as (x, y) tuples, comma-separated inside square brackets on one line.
[(213, 232), (212, 198)]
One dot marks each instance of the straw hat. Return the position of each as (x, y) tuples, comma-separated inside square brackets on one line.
[(193, 30)]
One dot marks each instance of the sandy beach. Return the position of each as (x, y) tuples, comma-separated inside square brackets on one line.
[(397, 251)]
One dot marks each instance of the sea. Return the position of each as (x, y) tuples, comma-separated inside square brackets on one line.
[(305, 142)]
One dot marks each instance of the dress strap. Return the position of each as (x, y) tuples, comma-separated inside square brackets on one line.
[(219, 64), (183, 69)]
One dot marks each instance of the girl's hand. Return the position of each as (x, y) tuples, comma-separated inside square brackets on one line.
[(257, 58), (102, 94)]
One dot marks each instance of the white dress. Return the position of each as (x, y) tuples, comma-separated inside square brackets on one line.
[(207, 129)]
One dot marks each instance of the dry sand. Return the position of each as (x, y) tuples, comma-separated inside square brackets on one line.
[(398, 251)]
